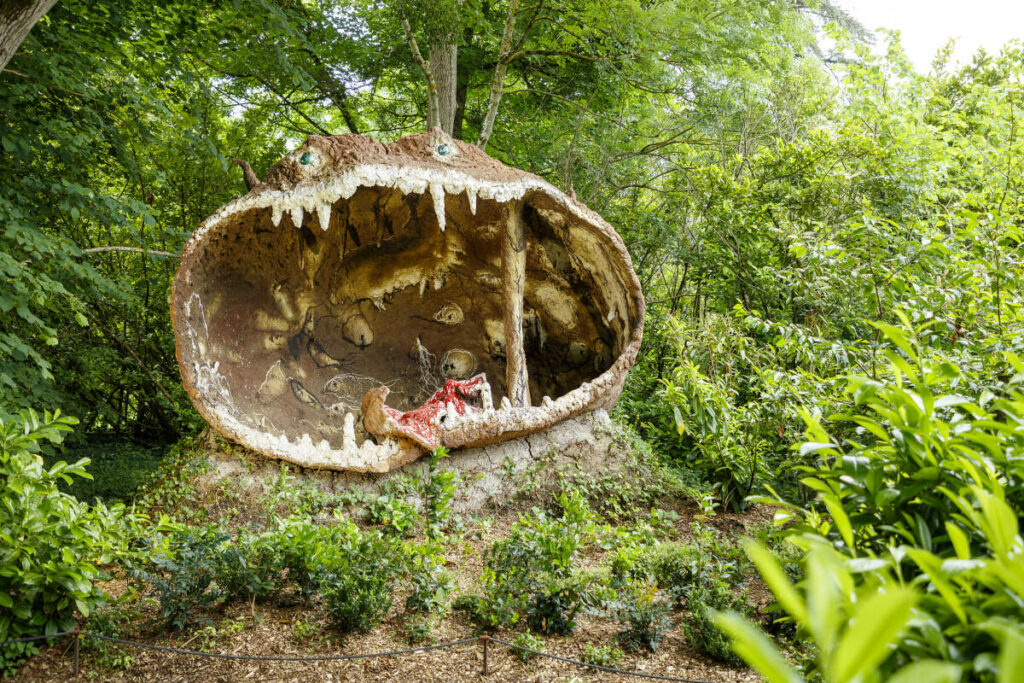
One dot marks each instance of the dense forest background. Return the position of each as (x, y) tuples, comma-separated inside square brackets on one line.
[(819, 229)]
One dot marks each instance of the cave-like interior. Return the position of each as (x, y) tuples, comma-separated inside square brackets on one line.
[(299, 322)]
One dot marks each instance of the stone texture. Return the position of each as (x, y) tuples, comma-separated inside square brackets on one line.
[(490, 474)]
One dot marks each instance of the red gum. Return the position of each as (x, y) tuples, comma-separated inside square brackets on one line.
[(423, 424)]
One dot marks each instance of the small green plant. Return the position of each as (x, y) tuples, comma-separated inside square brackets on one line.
[(304, 630), (431, 586), (645, 617), (438, 489), (356, 574), (396, 515), (248, 568), (603, 655), (182, 573), (701, 631), (530, 642), (532, 571), (418, 628), (111, 622)]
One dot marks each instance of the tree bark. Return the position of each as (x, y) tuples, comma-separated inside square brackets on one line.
[(17, 17), (443, 61), (513, 283), (461, 88)]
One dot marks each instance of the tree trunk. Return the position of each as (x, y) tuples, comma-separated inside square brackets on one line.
[(17, 17), (461, 88), (513, 283), (443, 60)]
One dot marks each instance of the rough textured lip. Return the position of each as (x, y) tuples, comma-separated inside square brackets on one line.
[(206, 384)]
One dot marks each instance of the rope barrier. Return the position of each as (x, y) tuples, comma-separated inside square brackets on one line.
[(29, 639), (327, 658)]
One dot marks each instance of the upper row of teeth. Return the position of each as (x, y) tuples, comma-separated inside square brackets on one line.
[(319, 202)]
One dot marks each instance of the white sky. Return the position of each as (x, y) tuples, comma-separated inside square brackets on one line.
[(925, 25)]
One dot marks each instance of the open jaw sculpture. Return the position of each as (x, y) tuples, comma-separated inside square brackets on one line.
[(366, 303)]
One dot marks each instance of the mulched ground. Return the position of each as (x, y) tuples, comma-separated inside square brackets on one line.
[(267, 630)]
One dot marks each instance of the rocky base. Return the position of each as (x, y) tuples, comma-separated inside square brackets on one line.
[(491, 475)]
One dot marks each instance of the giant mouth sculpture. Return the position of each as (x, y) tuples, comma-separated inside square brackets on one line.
[(477, 300)]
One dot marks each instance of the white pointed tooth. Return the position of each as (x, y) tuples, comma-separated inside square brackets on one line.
[(505, 403), (297, 215), (349, 430), (471, 196), (547, 402), (437, 193), (439, 282), (486, 400), (423, 286), (378, 301), (323, 214), (275, 214)]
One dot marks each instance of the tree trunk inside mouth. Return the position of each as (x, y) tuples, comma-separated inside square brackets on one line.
[(513, 280)]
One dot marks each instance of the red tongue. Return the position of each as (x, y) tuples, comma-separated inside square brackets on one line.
[(423, 424)]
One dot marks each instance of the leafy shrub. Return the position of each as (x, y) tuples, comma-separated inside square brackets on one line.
[(603, 655), (111, 622), (438, 490), (704, 602), (249, 568), (182, 573), (295, 541), (532, 570), (529, 641), (927, 490), (646, 618), (555, 603), (52, 546), (431, 586), (356, 574), (397, 516)]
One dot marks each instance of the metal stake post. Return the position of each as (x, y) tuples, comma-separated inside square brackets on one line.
[(486, 639), (76, 634)]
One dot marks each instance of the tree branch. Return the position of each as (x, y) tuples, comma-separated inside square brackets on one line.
[(498, 83), (433, 120)]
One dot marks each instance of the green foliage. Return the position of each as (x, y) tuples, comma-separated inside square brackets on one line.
[(917, 542), (52, 546), (533, 571), (182, 573), (111, 622), (249, 568), (645, 616), (395, 514), (704, 601), (603, 655), (529, 641), (431, 586), (356, 574)]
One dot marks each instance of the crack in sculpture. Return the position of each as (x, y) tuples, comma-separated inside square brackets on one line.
[(420, 271)]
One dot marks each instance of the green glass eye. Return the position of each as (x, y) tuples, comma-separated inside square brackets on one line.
[(442, 150), (306, 159)]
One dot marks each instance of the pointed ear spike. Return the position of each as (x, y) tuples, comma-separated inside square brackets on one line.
[(251, 180)]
